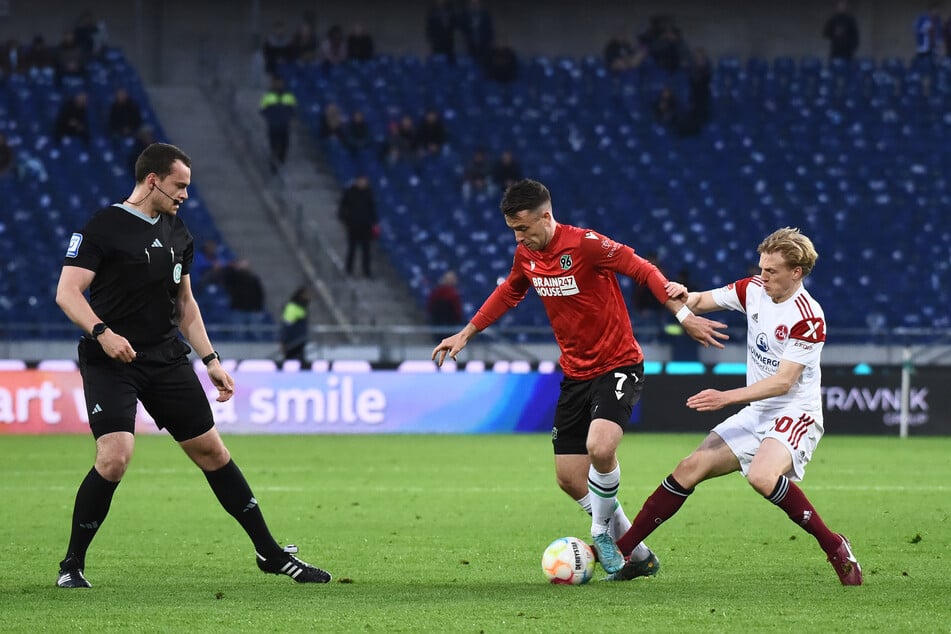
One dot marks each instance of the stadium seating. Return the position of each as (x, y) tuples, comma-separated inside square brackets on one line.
[(57, 185), (854, 153)]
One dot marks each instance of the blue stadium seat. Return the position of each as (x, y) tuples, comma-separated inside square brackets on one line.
[(64, 182), (792, 143)]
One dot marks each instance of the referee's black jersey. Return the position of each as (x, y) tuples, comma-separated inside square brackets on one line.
[(139, 263)]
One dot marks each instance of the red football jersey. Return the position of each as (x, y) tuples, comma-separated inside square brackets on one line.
[(575, 277)]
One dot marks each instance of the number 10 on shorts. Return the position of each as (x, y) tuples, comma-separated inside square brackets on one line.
[(794, 429)]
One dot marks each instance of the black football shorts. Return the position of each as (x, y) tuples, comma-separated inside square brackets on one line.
[(161, 377), (611, 396)]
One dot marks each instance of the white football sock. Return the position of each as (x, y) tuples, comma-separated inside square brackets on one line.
[(620, 523), (602, 491), (640, 552)]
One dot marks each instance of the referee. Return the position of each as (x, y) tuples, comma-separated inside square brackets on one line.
[(134, 257)]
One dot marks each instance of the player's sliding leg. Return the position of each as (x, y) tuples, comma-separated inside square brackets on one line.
[(790, 498), (711, 459), (659, 507), (767, 474), (619, 526)]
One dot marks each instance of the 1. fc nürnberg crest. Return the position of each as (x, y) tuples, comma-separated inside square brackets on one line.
[(566, 262)]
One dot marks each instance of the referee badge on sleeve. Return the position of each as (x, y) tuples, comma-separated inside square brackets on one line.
[(74, 241)]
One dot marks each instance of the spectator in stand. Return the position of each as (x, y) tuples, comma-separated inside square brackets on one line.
[(506, 170), (360, 45), (357, 212), (927, 31), (441, 30), (358, 132), (12, 58), (295, 329), (305, 43), (666, 44), (278, 48), (333, 49), (477, 178), (209, 263), (332, 124), (73, 119), (70, 59), (665, 108), (6, 156), (246, 295), (144, 137), (409, 139), (502, 63), (431, 133), (444, 305), (842, 31), (278, 107), (475, 21), (90, 34), (698, 110), (39, 55), (946, 34), (620, 54), (30, 168), (398, 147), (125, 116)]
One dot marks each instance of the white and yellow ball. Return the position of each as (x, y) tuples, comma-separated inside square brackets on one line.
[(568, 561)]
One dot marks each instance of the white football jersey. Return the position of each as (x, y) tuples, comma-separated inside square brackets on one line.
[(794, 330)]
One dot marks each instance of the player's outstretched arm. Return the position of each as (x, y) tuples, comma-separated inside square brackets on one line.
[(702, 330), (453, 344), (702, 302), (705, 331), (776, 385)]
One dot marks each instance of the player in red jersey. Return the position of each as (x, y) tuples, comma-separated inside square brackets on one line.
[(771, 440), (574, 271)]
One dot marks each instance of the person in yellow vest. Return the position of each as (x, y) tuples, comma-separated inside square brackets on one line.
[(294, 325), (278, 107)]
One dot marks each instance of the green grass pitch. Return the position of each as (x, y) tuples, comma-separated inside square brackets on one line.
[(445, 534)]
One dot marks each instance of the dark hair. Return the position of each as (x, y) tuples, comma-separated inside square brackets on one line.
[(158, 158), (301, 296), (522, 195)]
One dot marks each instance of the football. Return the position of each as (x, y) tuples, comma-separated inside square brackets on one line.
[(568, 561)]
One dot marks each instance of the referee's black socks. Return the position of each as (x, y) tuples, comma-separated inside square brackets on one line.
[(235, 495), (89, 511)]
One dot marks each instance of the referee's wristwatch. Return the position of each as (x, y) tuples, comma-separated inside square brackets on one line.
[(98, 329), (211, 357)]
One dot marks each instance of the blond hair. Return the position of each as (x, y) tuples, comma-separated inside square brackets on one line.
[(795, 248)]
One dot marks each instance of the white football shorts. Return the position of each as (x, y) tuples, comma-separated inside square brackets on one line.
[(799, 431)]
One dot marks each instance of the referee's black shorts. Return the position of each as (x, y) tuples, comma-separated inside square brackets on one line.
[(611, 396), (161, 377)]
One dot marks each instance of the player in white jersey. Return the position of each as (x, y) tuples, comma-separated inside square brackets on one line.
[(771, 439)]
